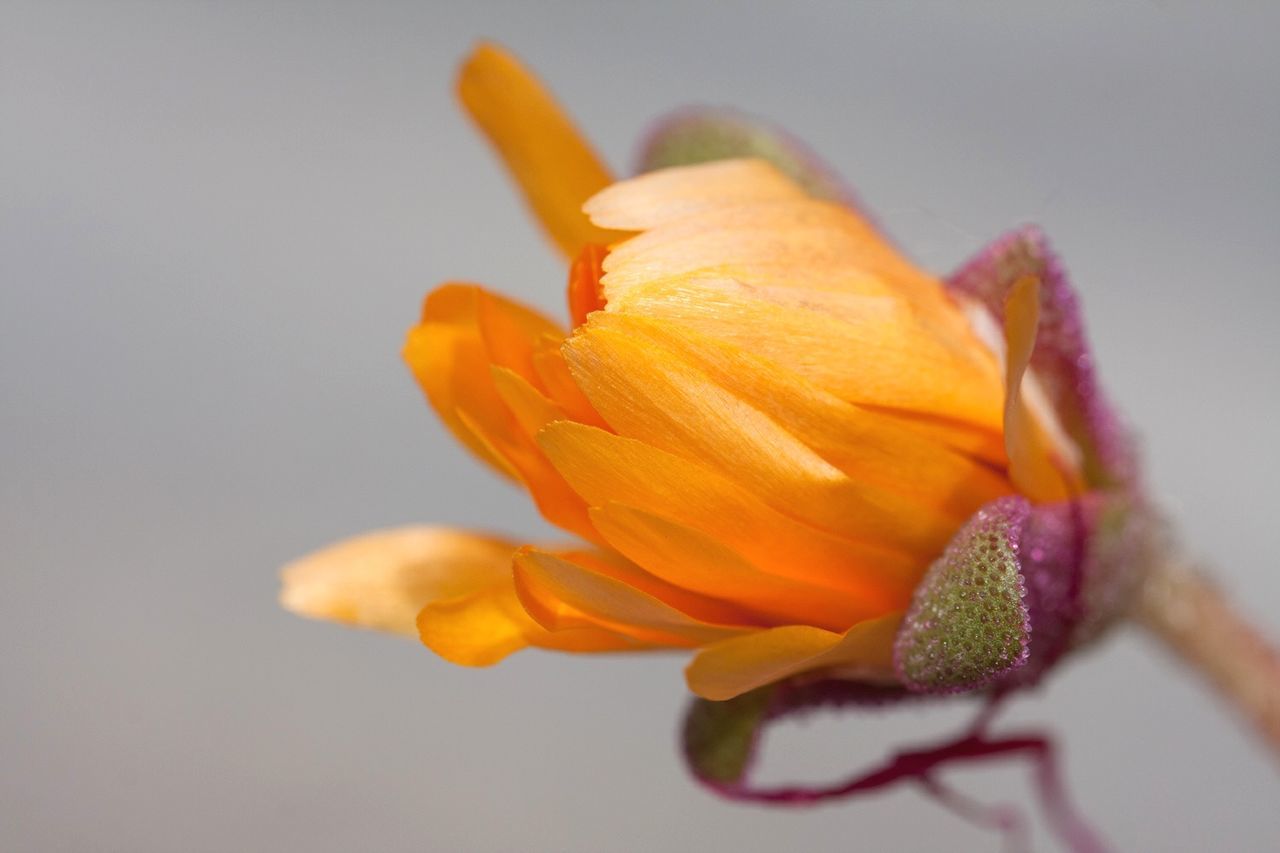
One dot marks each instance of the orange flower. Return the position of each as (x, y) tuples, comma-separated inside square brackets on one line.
[(764, 426)]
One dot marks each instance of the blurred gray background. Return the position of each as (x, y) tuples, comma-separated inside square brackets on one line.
[(218, 219)]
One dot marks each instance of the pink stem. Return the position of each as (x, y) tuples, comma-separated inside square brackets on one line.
[(1192, 619), (920, 765)]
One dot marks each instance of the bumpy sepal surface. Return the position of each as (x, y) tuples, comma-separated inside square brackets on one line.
[(968, 623)]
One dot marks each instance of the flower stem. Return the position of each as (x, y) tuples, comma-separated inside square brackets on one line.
[(1193, 619)]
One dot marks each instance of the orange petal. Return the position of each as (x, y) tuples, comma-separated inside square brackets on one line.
[(656, 396), (585, 293), (382, 579), (466, 338), (555, 166), (512, 333), (546, 581), (483, 627), (866, 445), (554, 498), (734, 666), (691, 559), (649, 200), (556, 378), (1031, 464), (605, 468), (863, 349)]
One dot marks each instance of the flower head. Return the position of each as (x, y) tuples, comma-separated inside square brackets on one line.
[(776, 441)]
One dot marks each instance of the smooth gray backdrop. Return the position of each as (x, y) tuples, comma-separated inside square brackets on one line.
[(218, 219)]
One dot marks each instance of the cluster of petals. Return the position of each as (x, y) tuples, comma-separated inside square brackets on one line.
[(760, 428)]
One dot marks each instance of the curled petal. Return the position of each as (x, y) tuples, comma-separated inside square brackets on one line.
[(1035, 468), (1062, 357)]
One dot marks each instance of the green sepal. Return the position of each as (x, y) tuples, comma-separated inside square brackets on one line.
[(720, 737)]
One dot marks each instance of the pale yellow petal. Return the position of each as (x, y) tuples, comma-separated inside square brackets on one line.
[(648, 200), (381, 580)]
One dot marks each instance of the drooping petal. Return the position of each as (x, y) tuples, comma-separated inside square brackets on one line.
[(605, 468), (570, 590), (383, 579), (731, 667), (555, 166)]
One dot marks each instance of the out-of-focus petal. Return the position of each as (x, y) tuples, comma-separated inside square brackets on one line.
[(382, 579), (555, 166), (734, 666), (611, 597), (699, 135)]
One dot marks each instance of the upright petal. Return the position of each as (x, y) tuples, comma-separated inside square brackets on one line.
[(555, 166)]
